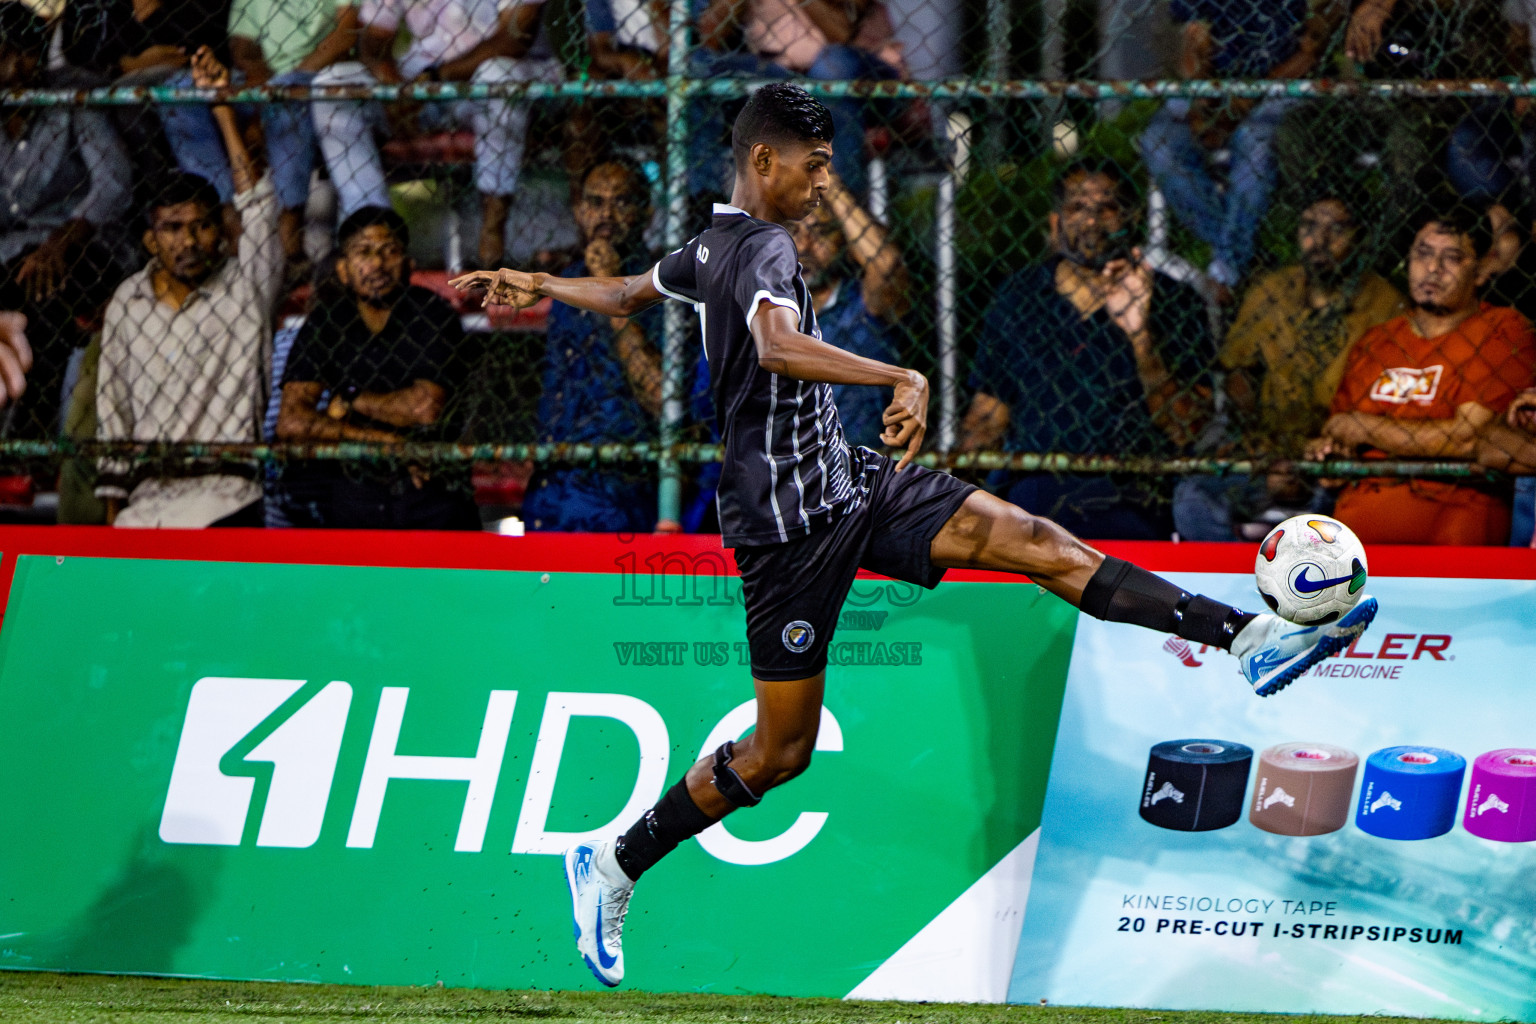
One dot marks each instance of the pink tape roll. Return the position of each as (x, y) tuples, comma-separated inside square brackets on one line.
[(1501, 803)]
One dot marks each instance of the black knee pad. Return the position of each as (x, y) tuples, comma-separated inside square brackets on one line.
[(728, 782)]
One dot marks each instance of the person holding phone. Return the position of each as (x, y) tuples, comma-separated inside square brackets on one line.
[(1091, 351)]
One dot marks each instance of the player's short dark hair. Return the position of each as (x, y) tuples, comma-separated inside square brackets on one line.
[(365, 217), (21, 30), (1095, 167), (175, 188), (779, 113), (1456, 218)]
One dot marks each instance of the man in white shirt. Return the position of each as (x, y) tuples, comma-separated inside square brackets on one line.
[(186, 342), (483, 41)]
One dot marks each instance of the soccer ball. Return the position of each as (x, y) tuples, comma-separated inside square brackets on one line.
[(1310, 569)]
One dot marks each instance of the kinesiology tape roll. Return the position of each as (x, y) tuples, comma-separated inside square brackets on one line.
[(1501, 802), (1410, 792), (1195, 785), (1303, 789)]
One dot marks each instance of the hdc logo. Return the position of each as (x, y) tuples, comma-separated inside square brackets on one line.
[(204, 804)]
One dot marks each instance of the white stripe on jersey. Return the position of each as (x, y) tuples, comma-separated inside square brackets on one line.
[(773, 466), (794, 447), (669, 293), (762, 295), (829, 488)]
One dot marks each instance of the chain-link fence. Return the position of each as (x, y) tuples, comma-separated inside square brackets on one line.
[(1187, 265)]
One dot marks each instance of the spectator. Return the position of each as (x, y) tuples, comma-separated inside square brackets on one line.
[(1432, 38), (1511, 262), (1511, 446), (15, 356), (378, 359), (273, 42), (65, 179), (1426, 385), (157, 44), (1292, 335), (602, 376), (1091, 352), (91, 38), (837, 241), (628, 38), (450, 41), (1492, 150), (164, 34), (817, 39), (186, 341), (1401, 137), (1229, 39)]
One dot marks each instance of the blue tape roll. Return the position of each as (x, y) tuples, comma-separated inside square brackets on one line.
[(1410, 792)]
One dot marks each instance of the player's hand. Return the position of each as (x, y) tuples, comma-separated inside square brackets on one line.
[(502, 287), (1128, 298), (1521, 414), (906, 418), (15, 357)]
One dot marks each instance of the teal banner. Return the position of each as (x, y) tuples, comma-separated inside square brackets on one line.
[(1362, 843), (365, 775)]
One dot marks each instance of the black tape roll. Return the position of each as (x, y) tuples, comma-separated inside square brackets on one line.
[(1195, 785)]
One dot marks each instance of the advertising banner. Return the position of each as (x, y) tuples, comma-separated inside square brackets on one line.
[(349, 774), (1359, 843)]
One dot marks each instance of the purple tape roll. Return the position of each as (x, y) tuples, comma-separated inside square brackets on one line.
[(1501, 803)]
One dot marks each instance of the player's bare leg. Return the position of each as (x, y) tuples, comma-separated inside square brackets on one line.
[(989, 533), (778, 749), (602, 875)]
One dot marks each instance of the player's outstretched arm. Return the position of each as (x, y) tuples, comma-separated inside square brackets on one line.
[(610, 296), (784, 350)]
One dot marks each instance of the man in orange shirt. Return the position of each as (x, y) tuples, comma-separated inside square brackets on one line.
[(1427, 385)]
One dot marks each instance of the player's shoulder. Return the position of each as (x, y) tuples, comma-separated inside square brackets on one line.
[(749, 235)]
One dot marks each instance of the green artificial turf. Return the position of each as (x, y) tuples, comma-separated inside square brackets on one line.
[(86, 999)]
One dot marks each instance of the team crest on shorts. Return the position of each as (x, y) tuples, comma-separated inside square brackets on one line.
[(798, 636)]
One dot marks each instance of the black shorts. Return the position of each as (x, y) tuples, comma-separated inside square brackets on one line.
[(794, 591)]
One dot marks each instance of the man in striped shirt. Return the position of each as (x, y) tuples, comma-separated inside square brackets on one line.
[(805, 511)]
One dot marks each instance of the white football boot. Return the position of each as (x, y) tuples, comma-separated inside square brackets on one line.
[(1273, 653), (600, 894)]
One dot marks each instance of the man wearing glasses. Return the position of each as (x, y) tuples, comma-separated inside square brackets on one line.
[(602, 375), (1284, 356), (377, 359)]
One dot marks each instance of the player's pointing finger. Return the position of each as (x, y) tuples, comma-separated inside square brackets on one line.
[(473, 280)]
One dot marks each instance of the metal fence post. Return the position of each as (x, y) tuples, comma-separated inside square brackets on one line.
[(946, 312), (669, 490)]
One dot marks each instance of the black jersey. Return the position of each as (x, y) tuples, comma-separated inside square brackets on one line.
[(786, 469)]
